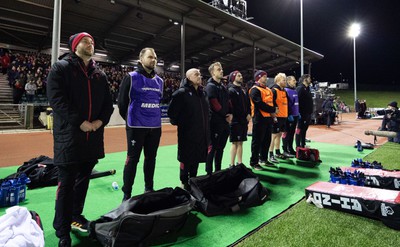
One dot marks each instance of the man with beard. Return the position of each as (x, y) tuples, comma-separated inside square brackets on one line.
[(189, 111), (139, 104), (80, 97), (262, 112), (220, 116), (306, 106), (240, 116)]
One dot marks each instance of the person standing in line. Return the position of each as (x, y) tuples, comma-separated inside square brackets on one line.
[(220, 116), (306, 106), (280, 101), (189, 110), (240, 116), (262, 112), (139, 105), (79, 95), (293, 117)]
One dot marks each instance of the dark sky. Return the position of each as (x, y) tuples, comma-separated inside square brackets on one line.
[(326, 24)]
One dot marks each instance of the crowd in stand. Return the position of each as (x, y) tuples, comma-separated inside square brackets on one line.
[(27, 75)]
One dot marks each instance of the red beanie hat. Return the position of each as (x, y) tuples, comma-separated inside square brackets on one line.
[(232, 75), (76, 38), (259, 74)]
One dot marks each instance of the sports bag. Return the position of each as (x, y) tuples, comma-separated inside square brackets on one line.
[(143, 218), (227, 191), (40, 170), (307, 154)]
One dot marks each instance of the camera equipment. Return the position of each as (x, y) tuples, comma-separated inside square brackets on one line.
[(384, 111)]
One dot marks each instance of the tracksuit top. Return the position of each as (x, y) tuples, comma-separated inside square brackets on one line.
[(144, 101), (293, 102)]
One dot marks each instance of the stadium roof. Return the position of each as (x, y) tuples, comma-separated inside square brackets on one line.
[(121, 28)]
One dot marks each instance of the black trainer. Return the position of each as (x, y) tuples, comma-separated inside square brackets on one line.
[(288, 155), (64, 242), (272, 159), (257, 167), (80, 223)]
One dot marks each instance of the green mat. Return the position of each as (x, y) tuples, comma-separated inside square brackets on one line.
[(286, 183)]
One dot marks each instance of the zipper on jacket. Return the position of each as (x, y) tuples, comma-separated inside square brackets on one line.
[(90, 96)]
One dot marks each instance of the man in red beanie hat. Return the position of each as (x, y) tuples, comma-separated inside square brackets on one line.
[(262, 111), (80, 97), (240, 115)]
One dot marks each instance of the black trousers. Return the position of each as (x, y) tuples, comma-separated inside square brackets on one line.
[(188, 170), (287, 140), (261, 139), (147, 139), (219, 137), (73, 183), (301, 131)]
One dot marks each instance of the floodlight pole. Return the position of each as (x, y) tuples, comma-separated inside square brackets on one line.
[(55, 44), (355, 71), (301, 39)]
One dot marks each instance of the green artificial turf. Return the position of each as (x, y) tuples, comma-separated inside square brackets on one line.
[(286, 183), (306, 225)]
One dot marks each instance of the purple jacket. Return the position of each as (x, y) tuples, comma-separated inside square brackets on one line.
[(293, 102), (139, 100)]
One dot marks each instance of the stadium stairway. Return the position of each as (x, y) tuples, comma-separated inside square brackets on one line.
[(10, 117)]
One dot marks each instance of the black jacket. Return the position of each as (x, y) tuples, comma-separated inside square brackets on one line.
[(240, 104), (217, 91), (77, 95), (189, 110), (306, 103)]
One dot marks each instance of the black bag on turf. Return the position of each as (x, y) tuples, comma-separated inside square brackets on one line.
[(227, 191), (143, 218), (40, 170)]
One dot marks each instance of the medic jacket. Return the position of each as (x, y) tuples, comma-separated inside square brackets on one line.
[(261, 102), (139, 99), (293, 101), (219, 102), (189, 110), (306, 103), (77, 94), (280, 100), (240, 104)]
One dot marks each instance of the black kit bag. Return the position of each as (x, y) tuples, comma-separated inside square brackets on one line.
[(143, 218), (40, 170), (227, 191)]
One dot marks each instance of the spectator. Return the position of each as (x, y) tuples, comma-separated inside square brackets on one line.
[(30, 89), (391, 121), (5, 62), (329, 109)]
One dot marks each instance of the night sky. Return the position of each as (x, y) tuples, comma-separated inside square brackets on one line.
[(326, 24)]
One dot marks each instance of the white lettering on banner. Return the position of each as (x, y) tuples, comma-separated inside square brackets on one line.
[(386, 210), (150, 105), (396, 183), (151, 89), (372, 180), (344, 202)]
